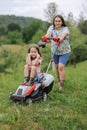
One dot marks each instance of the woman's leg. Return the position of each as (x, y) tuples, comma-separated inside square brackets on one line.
[(57, 71), (61, 69), (60, 62)]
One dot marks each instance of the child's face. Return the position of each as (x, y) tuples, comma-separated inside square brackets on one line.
[(58, 22), (33, 52)]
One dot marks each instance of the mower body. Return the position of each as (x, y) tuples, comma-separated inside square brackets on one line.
[(36, 91)]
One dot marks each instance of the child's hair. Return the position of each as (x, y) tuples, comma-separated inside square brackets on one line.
[(62, 19), (35, 46)]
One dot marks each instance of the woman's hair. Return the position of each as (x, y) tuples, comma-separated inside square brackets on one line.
[(35, 46), (59, 16)]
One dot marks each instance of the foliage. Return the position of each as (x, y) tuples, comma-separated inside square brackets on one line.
[(8, 59), (22, 21), (83, 26), (78, 45), (37, 36), (2, 31), (30, 31), (13, 38), (13, 27)]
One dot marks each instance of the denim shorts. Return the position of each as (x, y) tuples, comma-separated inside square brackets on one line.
[(38, 76), (61, 58)]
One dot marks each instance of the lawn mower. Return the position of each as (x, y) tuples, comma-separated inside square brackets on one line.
[(38, 90)]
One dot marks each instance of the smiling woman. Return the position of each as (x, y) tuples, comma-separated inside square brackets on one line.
[(60, 47)]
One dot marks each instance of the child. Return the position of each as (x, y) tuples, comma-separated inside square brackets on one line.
[(33, 64)]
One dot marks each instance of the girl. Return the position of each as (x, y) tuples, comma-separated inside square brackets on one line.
[(33, 64), (61, 52)]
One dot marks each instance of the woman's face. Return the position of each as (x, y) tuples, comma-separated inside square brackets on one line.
[(58, 22), (33, 52)]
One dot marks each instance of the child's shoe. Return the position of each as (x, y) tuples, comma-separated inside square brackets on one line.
[(31, 81), (26, 79)]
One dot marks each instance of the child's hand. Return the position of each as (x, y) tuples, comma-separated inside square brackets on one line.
[(28, 58), (29, 55), (38, 56)]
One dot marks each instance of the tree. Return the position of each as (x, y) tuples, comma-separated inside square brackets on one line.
[(37, 36), (51, 11), (13, 27), (13, 38), (83, 17), (29, 32), (2, 31), (70, 19), (84, 9), (83, 26)]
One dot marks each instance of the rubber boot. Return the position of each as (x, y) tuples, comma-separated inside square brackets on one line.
[(61, 84), (31, 81), (26, 79)]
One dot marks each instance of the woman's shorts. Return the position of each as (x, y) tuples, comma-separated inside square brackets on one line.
[(61, 58)]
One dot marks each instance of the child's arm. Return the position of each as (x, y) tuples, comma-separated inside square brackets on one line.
[(28, 59), (37, 61)]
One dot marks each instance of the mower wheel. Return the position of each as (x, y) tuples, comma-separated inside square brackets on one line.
[(29, 101), (44, 96), (10, 95)]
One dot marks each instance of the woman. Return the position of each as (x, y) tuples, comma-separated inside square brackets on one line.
[(60, 46)]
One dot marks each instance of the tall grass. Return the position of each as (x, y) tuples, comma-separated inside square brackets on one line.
[(66, 110)]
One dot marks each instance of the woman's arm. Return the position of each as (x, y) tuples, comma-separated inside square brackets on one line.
[(63, 36)]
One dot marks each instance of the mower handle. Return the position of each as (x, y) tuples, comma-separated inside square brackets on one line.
[(44, 40)]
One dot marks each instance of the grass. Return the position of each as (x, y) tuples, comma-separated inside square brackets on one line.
[(66, 110)]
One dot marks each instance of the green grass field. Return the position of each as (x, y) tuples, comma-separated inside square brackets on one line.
[(66, 110)]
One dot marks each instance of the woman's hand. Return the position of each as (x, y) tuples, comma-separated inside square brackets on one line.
[(44, 38), (56, 39)]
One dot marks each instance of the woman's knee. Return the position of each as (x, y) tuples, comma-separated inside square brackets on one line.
[(61, 67)]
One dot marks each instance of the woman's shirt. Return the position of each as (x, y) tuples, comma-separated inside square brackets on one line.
[(64, 46)]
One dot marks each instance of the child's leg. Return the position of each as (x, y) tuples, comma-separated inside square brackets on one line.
[(26, 73), (33, 73)]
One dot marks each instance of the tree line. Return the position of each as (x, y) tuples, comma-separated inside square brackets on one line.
[(15, 33)]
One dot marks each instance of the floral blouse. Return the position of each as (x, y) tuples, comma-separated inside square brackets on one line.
[(64, 46)]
